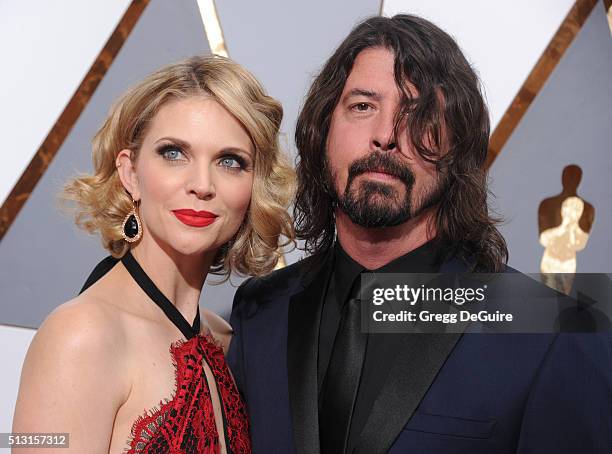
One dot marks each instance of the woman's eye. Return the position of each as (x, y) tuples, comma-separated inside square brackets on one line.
[(231, 162), (172, 154)]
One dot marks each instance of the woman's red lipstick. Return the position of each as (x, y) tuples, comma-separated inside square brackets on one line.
[(194, 218)]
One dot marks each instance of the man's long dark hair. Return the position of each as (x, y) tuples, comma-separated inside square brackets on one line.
[(449, 108)]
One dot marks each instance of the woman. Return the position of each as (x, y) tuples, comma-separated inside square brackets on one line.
[(188, 180)]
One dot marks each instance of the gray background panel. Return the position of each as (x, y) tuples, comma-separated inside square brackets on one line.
[(285, 43), (44, 259), (569, 122)]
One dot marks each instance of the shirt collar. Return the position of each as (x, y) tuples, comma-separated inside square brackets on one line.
[(420, 260)]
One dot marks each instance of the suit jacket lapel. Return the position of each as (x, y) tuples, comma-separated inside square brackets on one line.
[(418, 361), (302, 352), (420, 358)]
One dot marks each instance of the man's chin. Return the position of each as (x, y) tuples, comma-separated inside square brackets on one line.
[(376, 215), (393, 187), (378, 223)]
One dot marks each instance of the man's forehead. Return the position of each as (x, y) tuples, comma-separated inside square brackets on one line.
[(373, 75), (375, 62)]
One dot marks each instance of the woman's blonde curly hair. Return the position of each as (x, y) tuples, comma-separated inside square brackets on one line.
[(102, 203)]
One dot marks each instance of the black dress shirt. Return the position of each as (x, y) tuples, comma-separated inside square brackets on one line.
[(379, 353)]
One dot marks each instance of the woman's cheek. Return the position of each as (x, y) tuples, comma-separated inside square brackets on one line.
[(237, 197), (242, 191)]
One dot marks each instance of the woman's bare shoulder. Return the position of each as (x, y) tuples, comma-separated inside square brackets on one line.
[(221, 330), (80, 328), (74, 357)]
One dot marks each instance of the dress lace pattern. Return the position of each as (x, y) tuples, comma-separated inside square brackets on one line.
[(185, 424)]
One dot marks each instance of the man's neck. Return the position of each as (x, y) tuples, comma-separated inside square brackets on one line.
[(375, 247)]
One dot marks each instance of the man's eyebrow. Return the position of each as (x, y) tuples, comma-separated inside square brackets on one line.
[(364, 92)]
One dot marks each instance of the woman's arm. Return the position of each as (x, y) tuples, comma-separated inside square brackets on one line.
[(72, 379)]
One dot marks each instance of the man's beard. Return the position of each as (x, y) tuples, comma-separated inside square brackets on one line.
[(375, 204)]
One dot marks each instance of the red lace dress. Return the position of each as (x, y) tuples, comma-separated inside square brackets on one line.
[(186, 423)]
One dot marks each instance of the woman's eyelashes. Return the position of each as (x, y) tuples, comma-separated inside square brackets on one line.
[(230, 161), (172, 153), (233, 162)]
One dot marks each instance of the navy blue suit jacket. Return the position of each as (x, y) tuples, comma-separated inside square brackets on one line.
[(445, 393)]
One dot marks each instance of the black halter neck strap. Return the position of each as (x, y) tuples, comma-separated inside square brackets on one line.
[(160, 299)]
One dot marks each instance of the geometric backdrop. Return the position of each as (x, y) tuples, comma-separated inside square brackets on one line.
[(44, 258), (569, 122)]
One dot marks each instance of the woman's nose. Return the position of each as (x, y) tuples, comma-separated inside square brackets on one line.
[(201, 183)]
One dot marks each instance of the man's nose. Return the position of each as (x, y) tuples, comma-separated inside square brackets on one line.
[(383, 133)]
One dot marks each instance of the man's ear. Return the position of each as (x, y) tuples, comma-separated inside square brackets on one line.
[(127, 173)]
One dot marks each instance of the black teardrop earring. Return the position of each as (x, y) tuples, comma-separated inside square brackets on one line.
[(132, 229)]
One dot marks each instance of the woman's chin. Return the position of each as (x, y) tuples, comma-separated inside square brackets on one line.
[(194, 250), (186, 245)]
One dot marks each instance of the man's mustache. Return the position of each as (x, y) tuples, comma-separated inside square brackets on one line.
[(381, 162)]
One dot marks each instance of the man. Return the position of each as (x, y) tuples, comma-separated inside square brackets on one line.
[(392, 142)]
